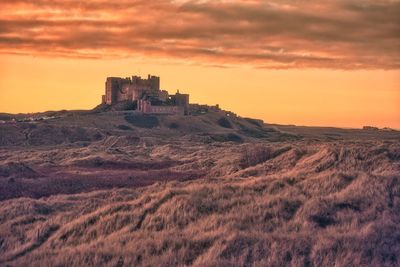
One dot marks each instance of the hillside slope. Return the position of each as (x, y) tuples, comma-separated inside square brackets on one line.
[(67, 128), (208, 190), (81, 152)]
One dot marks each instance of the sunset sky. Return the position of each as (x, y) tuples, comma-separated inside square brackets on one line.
[(297, 62)]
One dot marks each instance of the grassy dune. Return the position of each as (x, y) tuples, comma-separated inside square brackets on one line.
[(284, 199)]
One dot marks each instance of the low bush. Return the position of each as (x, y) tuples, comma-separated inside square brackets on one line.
[(231, 137), (224, 122), (124, 127), (142, 121), (173, 125)]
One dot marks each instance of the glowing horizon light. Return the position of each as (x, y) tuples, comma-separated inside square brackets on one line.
[(293, 62)]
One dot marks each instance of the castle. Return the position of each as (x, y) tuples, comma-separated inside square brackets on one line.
[(145, 94)]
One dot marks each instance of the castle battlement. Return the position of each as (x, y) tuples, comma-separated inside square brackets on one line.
[(138, 89)]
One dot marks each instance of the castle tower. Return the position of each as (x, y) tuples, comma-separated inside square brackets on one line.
[(111, 87)]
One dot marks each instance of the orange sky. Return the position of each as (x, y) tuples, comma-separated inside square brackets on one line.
[(291, 62)]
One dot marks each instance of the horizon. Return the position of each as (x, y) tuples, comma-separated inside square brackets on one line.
[(339, 68)]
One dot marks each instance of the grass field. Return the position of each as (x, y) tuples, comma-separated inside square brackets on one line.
[(109, 190)]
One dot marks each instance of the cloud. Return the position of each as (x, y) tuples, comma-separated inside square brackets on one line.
[(265, 34)]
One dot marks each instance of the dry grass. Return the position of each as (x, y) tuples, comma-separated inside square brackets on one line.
[(258, 203), (329, 208)]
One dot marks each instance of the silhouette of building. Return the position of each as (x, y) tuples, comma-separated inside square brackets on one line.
[(146, 94)]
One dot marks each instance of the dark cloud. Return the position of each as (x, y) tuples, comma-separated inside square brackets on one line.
[(266, 34)]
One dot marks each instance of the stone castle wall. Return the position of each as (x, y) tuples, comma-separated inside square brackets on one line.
[(146, 107), (127, 89), (147, 93)]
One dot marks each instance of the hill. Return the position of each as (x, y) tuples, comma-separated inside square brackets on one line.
[(119, 189)]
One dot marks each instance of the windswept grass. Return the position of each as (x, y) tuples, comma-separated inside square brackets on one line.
[(345, 213), (114, 190)]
